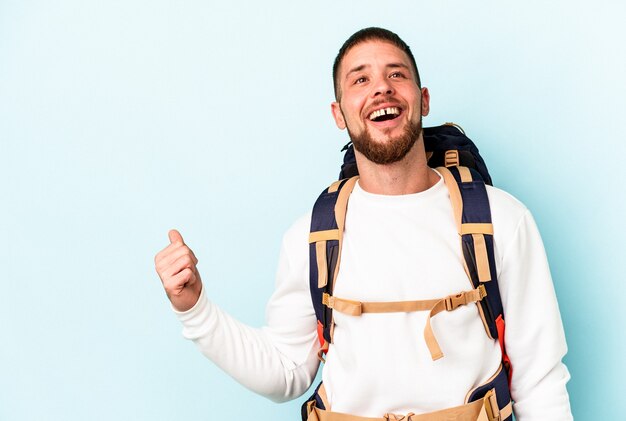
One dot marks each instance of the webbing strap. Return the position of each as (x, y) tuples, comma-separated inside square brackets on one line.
[(455, 195), (320, 238), (450, 303), (316, 236), (485, 409), (322, 272), (472, 215), (356, 308), (325, 239), (482, 259), (335, 186), (341, 207), (322, 351), (435, 306), (466, 175), (477, 230)]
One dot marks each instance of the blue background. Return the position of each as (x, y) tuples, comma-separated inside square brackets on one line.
[(122, 119)]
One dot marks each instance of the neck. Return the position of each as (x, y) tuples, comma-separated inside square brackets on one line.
[(409, 175)]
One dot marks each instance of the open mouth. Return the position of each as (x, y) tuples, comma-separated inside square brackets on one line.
[(385, 114)]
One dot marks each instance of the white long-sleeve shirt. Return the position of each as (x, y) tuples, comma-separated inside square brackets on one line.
[(400, 248)]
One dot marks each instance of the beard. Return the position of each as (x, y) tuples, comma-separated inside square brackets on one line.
[(392, 150)]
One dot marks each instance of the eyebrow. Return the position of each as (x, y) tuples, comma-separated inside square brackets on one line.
[(363, 66), (396, 65), (356, 69)]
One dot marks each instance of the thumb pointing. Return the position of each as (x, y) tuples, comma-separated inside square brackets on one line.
[(175, 236)]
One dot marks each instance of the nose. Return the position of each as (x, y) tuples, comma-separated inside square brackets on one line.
[(382, 87)]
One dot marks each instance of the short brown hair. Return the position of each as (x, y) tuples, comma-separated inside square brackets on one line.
[(371, 34)]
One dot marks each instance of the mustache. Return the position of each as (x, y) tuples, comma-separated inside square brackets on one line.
[(392, 102)]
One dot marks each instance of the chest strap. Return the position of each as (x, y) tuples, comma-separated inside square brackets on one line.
[(435, 306)]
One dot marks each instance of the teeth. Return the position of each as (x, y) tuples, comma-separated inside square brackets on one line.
[(384, 111)]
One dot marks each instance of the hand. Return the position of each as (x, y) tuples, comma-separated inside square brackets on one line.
[(176, 266)]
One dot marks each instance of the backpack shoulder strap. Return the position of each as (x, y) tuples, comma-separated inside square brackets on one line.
[(325, 240), (472, 214)]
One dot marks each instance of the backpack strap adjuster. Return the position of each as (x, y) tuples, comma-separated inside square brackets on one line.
[(451, 158), (353, 308), (452, 302)]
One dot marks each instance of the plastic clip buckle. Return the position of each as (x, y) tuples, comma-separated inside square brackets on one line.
[(394, 417), (454, 301)]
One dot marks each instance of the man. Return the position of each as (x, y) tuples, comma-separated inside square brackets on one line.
[(400, 243)]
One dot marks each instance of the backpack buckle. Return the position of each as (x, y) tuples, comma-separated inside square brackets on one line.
[(394, 417), (454, 301)]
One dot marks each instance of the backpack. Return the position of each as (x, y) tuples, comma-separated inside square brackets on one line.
[(465, 174)]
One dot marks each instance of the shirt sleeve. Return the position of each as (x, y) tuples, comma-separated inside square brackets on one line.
[(279, 360), (534, 337)]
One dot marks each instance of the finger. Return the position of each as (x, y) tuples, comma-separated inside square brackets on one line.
[(165, 252), (164, 256), (175, 237), (185, 261), (193, 256), (175, 252), (176, 284)]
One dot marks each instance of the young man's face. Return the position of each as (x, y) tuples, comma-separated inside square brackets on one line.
[(380, 103)]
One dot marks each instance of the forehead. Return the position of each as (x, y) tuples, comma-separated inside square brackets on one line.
[(373, 53)]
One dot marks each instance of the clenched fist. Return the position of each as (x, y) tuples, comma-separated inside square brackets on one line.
[(176, 266)]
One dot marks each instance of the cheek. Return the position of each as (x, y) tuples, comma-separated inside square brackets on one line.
[(354, 109), (418, 109)]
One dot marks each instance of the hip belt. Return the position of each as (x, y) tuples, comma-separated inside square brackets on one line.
[(485, 409), (491, 401)]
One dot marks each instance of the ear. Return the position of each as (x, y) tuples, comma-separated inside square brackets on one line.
[(338, 115), (425, 102)]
